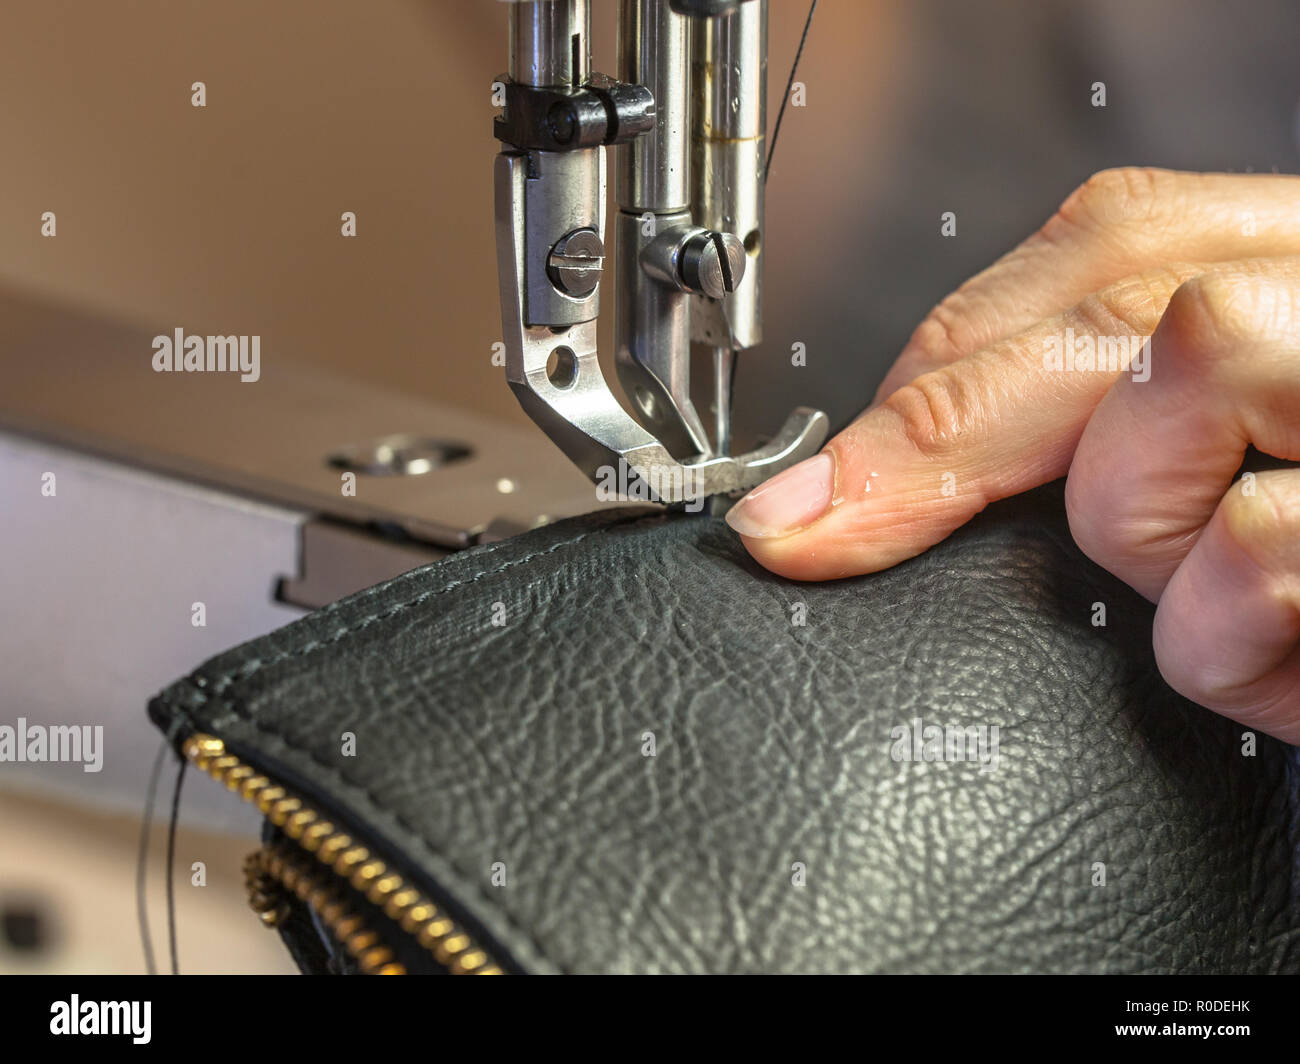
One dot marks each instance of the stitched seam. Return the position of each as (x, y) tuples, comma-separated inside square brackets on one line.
[(209, 698), (251, 668)]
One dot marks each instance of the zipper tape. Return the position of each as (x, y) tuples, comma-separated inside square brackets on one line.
[(280, 870)]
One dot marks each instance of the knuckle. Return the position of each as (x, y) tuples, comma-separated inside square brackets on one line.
[(1092, 536), (1219, 311), (1263, 523), (1112, 197), (1112, 528), (1125, 307), (1193, 678), (1136, 303), (943, 336), (938, 413)]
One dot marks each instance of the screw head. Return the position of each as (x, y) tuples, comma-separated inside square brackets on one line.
[(575, 263), (713, 264), (563, 122)]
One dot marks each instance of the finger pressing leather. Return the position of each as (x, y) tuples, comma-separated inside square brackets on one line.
[(913, 469)]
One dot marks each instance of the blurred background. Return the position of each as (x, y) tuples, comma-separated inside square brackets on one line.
[(226, 219)]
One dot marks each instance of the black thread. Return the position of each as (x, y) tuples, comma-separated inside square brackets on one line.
[(171, 866), (776, 131), (211, 693), (142, 860), (219, 683)]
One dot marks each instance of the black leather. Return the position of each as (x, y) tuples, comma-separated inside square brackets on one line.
[(523, 743)]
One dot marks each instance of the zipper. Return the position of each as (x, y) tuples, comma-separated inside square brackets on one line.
[(317, 861), (273, 873)]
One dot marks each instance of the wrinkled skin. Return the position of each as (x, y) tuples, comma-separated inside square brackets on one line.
[(975, 410)]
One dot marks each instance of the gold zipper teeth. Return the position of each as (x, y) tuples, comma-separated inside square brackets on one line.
[(271, 871), (407, 906)]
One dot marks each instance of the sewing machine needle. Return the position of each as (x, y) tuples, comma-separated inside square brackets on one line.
[(723, 358)]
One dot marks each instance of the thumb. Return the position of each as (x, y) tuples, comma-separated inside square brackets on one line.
[(937, 451)]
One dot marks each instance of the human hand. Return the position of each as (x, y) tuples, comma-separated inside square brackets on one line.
[(993, 396)]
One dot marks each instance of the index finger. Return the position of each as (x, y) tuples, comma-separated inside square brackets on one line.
[(938, 450)]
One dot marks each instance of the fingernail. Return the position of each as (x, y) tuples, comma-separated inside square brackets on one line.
[(791, 500)]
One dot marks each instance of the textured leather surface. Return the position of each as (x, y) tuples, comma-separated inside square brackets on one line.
[(522, 742)]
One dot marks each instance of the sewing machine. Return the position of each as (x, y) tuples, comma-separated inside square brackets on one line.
[(687, 119), (224, 506)]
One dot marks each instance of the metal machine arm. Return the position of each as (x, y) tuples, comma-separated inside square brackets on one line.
[(687, 118)]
